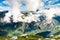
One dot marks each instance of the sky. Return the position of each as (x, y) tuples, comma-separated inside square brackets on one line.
[(23, 6), (31, 5)]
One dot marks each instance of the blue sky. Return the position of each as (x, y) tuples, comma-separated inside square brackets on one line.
[(46, 3), (1, 4), (52, 2), (1, 0)]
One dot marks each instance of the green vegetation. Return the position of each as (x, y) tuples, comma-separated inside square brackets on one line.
[(18, 29), (30, 37), (9, 30)]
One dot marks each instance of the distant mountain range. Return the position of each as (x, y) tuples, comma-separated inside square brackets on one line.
[(33, 28)]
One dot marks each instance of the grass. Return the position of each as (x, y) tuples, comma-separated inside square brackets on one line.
[(29, 37)]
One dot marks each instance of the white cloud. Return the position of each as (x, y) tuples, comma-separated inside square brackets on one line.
[(50, 13), (14, 9), (31, 17), (52, 1), (7, 17), (3, 8), (33, 5), (6, 2)]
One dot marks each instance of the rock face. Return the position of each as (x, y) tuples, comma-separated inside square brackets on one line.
[(33, 28), (2, 14)]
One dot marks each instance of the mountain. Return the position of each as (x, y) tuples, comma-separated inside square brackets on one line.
[(33, 28)]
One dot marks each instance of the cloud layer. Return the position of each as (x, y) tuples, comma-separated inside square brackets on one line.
[(32, 5)]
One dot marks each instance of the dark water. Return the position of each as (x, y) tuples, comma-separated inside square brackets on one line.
[(44, 34)]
